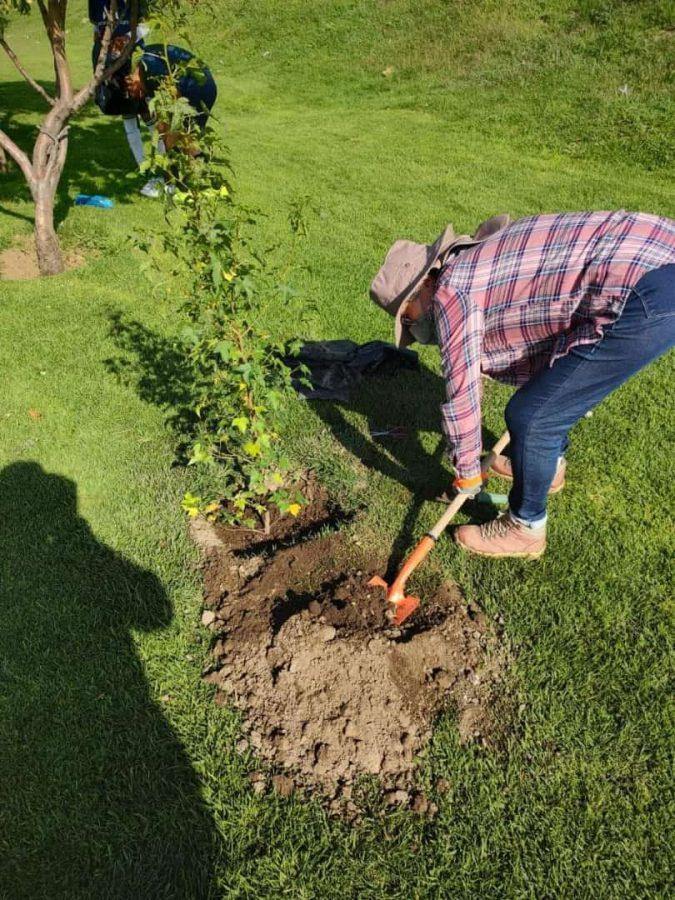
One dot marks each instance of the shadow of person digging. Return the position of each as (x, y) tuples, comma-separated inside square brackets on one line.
[(97, 796)]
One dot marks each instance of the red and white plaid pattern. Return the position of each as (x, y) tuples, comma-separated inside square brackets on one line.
[(526, 296)]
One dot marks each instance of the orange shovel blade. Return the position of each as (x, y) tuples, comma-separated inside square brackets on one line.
[(402, 607), (376, 581)]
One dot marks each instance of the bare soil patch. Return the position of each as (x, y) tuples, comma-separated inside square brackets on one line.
[(328, 689), (19, 263)]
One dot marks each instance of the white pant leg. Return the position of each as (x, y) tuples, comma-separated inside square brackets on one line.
[(133, 133)]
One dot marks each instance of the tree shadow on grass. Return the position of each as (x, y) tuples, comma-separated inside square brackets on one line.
[(155, 367), (98, 797), (98, 162)]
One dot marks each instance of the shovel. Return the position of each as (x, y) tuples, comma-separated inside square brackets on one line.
[(402, 606)]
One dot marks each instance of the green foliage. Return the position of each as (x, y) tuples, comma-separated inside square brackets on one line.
[(238, 379), (10, 7), (165, 13)]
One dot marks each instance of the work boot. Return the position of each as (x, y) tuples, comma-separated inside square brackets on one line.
[(502, 537), (501, 466)]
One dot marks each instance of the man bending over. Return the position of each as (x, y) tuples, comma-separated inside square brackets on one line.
[(565, 307)]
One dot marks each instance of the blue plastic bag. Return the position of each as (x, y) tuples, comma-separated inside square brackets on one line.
[(94, 200)]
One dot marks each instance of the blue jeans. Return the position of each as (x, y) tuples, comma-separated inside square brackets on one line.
[(541, 412)]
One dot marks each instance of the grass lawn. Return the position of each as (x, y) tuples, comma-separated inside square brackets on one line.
[(118, 775)]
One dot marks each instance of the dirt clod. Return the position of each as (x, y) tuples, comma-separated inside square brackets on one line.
[(258, 781), (398, 798), (329, 691), (420, 805), (442, 786), (282, 785)]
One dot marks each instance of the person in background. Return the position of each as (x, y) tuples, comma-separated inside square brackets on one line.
[(111, 96), (193, 80), (566, 307)]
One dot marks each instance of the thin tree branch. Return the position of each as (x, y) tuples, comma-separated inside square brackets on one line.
[(107, 38), (43, 13), (57, 36), (31, 81), (101, 74), (19, 157)]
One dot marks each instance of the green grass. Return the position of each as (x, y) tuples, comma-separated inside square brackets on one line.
[(118, 776)]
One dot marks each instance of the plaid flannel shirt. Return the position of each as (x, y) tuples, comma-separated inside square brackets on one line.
[(526, 296)]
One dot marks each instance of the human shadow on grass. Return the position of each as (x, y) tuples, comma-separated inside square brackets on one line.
[(99, 798), (409, 400), (98, 161)]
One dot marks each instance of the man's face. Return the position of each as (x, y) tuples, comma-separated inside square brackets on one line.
[(418, 312), (419, 305)]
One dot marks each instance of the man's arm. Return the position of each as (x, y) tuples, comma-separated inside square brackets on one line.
[(459, 323)]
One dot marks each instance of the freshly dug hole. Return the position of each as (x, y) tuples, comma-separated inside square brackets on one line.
[(328, 689)]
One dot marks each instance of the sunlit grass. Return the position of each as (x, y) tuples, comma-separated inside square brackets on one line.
[(118, 776)]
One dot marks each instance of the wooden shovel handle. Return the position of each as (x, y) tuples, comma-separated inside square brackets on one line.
[(458, 501)]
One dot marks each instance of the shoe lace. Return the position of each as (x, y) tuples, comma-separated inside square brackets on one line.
[(498, 527)]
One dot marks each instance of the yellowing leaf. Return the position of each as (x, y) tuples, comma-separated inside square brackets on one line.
[(212, 507), (190, 504), (294, 509), (241, 422), (252, 448)]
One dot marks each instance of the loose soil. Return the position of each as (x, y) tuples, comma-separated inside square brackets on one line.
[(329, 690), (20, 263)]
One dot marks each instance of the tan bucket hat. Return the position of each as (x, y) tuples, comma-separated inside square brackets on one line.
[(407, 264)]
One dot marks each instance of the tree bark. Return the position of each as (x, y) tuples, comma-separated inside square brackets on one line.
[(49, 158), (50, 259), (43, 171)]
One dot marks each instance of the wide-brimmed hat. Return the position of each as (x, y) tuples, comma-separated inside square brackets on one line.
[(407, 265), (404, 269)]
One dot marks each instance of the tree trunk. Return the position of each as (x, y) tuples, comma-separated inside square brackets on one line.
[(43, 171), (50, 259), (4, 166)]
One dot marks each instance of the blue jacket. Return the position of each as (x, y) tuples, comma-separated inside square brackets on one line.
[(197, 86)]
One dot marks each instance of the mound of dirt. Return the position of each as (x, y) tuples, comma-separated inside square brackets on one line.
[(329, 690), (20, 263)]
